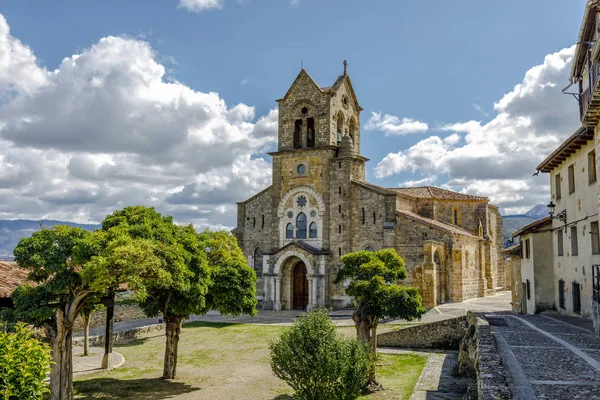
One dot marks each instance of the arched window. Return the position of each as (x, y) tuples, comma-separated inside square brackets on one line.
[(301, 226), (312, 231), (369, 248), (310, 132), (289, 231), (258, 262), (339, 127), (352, 128)]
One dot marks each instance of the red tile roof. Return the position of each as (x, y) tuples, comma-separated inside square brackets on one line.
[(11, 276), (432, 192)]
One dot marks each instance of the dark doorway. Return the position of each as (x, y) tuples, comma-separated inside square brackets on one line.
[(299, 287)]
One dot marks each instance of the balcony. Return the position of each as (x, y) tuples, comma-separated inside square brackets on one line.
[(589, 99)]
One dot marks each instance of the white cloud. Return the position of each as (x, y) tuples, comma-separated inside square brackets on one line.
[(198, 6), (106, 129), (428, 180), (243, 82), (497, 158), (392, 125)]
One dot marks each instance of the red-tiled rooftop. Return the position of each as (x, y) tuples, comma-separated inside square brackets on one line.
[(432, 192), (11, 276)]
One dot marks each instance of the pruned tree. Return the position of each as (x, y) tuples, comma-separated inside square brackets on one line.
[(373, 282), (68, 265), (199, 273)]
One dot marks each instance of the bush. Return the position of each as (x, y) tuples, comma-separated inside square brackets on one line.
[(25, 363), (318, 363)]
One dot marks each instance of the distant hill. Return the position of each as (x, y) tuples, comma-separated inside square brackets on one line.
[(11, 231), (513, 223)]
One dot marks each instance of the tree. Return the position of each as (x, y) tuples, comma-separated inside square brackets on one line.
[(318, 363), (68, 265), (199, 273), (89, 307), (25, 363), (373, 284)]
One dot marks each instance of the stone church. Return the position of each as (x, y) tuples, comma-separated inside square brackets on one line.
[(320, 207)]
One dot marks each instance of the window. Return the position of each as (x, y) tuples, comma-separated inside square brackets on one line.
[(339, 229), (363, 216), (574, 249), (301, 226), (339, 127), (339, 251), (258, 262), (561, 294), (592, 166), (571, 178), (456, 216), (352, 128), (310, 132), (262, 225), (289, 231), (340, 190), (557, 186), (576, 297), (254, 222), (374, 218), (301, 169), (312, 233), (527, 249), (297, 134), (528, 285), (560, 242), (594, 237), (339, 208), (369, 248)]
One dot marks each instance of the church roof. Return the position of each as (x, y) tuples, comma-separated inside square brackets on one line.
[(452, 229), (378, 189), (11, 276), (432, 192)]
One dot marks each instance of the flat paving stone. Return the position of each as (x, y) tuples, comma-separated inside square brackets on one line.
[(553, 364)]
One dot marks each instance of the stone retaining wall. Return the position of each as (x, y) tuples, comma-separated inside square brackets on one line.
[(129, 334), (123, 312), (479, 356), (445, 334)]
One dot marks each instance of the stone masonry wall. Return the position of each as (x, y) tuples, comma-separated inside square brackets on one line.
[(122, 313), (445, 335)]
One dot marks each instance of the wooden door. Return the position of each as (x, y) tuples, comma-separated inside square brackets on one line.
[(299, 287)]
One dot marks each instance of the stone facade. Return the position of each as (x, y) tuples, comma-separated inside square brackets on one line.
[(320, 207)]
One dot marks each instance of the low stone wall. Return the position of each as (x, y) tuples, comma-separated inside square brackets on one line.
[(479, 356), (445, 335), (123, 312), (129, 334)]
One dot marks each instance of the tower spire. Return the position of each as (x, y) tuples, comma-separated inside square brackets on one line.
[(345, 66)]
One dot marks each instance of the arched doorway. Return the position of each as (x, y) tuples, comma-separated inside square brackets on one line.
[(299, 287)]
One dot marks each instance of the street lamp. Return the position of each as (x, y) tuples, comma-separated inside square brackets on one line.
[(561, 216)]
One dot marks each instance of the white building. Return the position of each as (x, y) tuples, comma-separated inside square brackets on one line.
[(536, 272), (575, 239)]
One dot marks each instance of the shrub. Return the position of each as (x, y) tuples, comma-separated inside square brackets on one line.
[(318, 363), (25, 363)]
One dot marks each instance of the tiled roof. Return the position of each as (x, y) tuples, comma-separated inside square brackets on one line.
[(11, 276), (378, 189), (432, 192), (533, 227), (515, 249), (568, 147), (453, 229)]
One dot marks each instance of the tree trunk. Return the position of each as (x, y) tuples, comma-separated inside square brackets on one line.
[(86, 332), (374, 338), (61, 374), (172, 331), (366, 326)]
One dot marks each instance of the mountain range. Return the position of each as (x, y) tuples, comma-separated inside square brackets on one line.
[(11, 231)]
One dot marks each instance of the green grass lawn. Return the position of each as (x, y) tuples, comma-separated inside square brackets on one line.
[(222, 361)]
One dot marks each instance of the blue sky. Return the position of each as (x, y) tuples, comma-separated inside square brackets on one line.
[(440, 63)]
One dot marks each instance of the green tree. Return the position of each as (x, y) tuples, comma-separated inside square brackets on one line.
[(374, 285), (200, 273), (318, 363), (25, 363), (91, 305), (68, 266)]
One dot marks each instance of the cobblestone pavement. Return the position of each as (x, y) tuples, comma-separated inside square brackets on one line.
[(548, 358)]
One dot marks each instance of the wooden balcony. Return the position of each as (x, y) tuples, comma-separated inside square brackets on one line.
[(589, 99)]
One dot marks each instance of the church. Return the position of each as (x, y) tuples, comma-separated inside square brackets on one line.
[(320, 207)]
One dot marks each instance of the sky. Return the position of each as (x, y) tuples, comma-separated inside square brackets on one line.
[(171, 103)]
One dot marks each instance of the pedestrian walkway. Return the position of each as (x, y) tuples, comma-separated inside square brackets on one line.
[(83, 365), (547, 357)]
